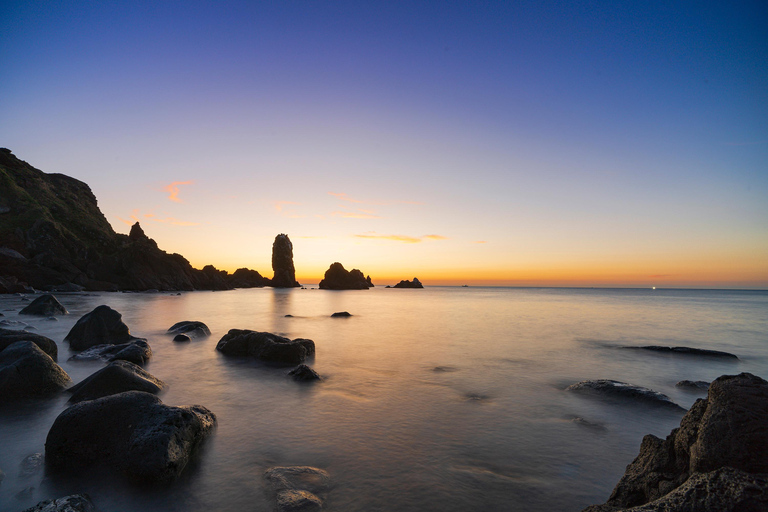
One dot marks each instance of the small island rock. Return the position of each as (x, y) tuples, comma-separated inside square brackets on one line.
[(265, 346), (282, 263), (338, 278), (45, 305), (409, 284), (341, 314)]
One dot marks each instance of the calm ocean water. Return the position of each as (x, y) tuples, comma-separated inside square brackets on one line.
[(444, 399)]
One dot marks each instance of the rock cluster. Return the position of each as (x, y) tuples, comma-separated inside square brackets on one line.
[(282, 263), (409, 284), (10, 336), (338, 278), (73, 503), (101, 334), (717, 460), (265, 346)]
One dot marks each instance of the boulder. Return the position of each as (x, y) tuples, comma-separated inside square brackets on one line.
[(297, 487), (341, 314), (101, 326), (181, 338), (117, 377), (73, 503), (623, 391), (31, 465), (137, 351), (45, 305), (265, 346), (338, 278), (693, 385), (47, 345), (304, 373), (132, 432), (192, 329), (728, 429), (409, 284), (27, 372), (686, 351), (289, 500), (282, 263)]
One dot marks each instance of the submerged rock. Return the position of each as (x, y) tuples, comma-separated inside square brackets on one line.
[(720, 451), (616, 389), (341, 314), (304, 373), (116, 377), (686, 351), (297, 487), (181, 338), (409, 284), (265, 346), (137, 351), (289, 500), (101, 326), (697, 385), (192, 329), (45, 305), (132, 432), (27, 372), (47, 345), (282, 263), (73, 503), (31, 465), (338, 278)]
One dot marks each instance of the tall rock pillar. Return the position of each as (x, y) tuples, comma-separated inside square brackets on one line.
[(282, 263)]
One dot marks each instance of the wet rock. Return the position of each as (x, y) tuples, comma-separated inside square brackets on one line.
[(265, 346), (686, 351), (282, 263), (27, 372), (695, 385), (725, 434), (101, 326), (304, 373), (116, 377), (47, 345), (192, 329), (45, 305), (181, 338), (622, 390), (338, 278), (132, 432), (289, 500), (409, 284), (598, 427), (31, 465), (73, 503), (297, 487), (341, 314), (14, 325), (137, 351)]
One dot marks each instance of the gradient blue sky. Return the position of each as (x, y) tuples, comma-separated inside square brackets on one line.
[(554, 143)]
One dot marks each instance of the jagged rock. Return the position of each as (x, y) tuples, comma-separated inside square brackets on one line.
[(341, 314), (622, 390), (247, 278), (409, 284), (47, 345), (116, 377), (686, 351), (137, 351), (727, 430), (304, 373), (132, 432), (338, 278), (181, 338), (26, 372), (31, 465), (265, 346), (73, 503), (45, 305), (698, 385), (192, 329), (101, 326), (282, 263), (136, 233)]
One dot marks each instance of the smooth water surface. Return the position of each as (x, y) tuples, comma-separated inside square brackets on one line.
[(444, 399)]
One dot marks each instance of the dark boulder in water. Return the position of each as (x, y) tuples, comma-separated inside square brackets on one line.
[(116, 377), (136, 351), (45, 305), (686, 351), (694, 385), (409, 284), (717, 460), (73, 503), (47, 345), (341, 314), (131, 432), (193, 329), (265, 346), (338, 278), (181, 338), (282, 263), (31, 465), (101, 326), (304, 373), (28, 372), (298, 488), (622, 390)]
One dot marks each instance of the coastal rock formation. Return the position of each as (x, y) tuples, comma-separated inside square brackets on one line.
[(622, 390), (338, 278), (720, 451), (304, 373), (409, 284), (45, 305), (192, 329), (132, 432), (282, 263), (265, 346), (27, 372), (297, 487), (686, 351), (10, 336), (136, 351), (116, 377), (101, 326), (73, 503), (247, 278)]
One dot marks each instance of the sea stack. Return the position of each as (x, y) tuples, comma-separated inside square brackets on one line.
[(282, 263)]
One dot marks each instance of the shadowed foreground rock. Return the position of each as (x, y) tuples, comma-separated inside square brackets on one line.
[(265, 346), (28, 372), (717, 460), (45, 305), (338, 278), (304, 373), (73, 503), (102, 326), (192, 329), (10, 336), (116, 377), (621, 390), (131, 432), (137, 351)]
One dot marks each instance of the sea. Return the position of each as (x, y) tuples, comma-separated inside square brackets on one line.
[(434, 399)]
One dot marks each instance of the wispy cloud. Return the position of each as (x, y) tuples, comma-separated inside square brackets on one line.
[(434, 237), (344, 197), (280, 204), (360, 214), (401, 238), (173, 190), (480, 242)]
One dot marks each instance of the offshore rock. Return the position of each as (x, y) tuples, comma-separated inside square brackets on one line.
[(338, 278), (296, 487), (693, 385), (192, 329), (247, 278), (132, 432), (265, 346), (28, 372), (181, 338), (101, 326), (116, 377), (73, 503), (45, 305), (622, 390), (686, 351), (409, 284), (341, 314), (31, 465), (10, 336), (282, 263), (136, 351), (726, 434), (304, 373)]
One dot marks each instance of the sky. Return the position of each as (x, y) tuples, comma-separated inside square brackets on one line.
[(500, 143)]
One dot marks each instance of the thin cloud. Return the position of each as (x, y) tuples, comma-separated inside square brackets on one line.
[(279, 204), (402, 238), (173, 190), (480, 242), (344, 197), (355, 215), (434, 237)]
